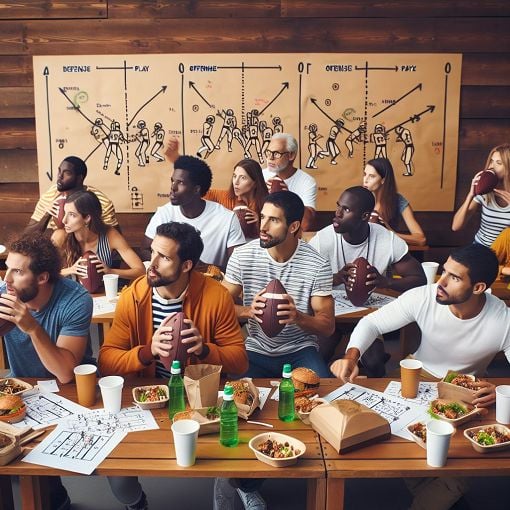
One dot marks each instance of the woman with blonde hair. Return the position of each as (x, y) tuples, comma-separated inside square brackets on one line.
[(390, 206), (86, 231), (495, 206)]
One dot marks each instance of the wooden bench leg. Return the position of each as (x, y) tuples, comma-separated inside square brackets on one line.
[(335, 493), (316, 494), (33, 495)]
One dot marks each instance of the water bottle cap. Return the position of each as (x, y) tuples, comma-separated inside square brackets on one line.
[(176, 367), (228, 392), (287, 369)]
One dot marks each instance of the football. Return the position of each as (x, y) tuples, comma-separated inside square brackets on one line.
[(358, 291), (60, 218), (376, 218), (179, 350), (250, 230), (276, 185), (486, 182), (94, 278), (270, 321)]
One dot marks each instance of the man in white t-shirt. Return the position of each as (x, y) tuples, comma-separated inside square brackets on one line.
[(462, 329), (219, 227), (280, 155)]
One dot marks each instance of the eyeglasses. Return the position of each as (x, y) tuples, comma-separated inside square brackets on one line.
[(274, 154)]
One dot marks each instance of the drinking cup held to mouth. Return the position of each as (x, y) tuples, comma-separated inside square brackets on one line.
[(111, 286), (503, 404), (439, 434), (111, 392), (85, 376), (430, 270), (185, 434), (410, 377)]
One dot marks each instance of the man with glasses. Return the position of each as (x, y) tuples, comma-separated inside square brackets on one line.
[(280, 156)]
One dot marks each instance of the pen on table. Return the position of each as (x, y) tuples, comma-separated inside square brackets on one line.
[(260, 423)]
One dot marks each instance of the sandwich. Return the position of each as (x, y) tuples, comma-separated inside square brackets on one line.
[(12, 408), (305, 379), (242, 393)]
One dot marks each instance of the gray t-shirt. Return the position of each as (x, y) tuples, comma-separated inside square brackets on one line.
[(304, 275), (68, 312)]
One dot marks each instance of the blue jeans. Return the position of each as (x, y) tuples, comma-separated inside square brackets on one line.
[(262, 365)]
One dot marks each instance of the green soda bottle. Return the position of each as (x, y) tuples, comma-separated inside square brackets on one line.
[(228, 418), (286, 395), (176, 402)]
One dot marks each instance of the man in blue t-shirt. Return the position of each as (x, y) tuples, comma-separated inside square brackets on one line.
[(51, 318)]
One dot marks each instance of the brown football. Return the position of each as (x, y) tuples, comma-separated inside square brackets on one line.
[(276, 185), (59, 220), (487, 181), (270, 321), (5, 326), (179, 350), (250, 230), (358, 291), (94, 279), (376, 218)]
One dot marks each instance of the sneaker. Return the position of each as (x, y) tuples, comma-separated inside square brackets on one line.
[(252, 500), (224, 495), (141, 505)]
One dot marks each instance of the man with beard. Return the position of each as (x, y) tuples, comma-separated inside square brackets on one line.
[(280, 156), (462, 329), (279, 253), (51, 318), (219, 227), (136, 341), (71, 174)]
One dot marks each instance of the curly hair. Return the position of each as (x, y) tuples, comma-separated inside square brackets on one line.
[(199, 172), (43, 254)]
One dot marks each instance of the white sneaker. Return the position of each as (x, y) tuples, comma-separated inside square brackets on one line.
[(252, 500), (224, 495)]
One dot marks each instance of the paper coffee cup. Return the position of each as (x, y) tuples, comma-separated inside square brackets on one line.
[(503, 404), (430, 270), (111, 392), (185, 434), (85, 376), (410, 377), (439, 434), (111, 286)]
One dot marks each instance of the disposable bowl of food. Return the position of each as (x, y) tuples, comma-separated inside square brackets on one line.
[(16, 416), (416, 438), (13, 386), (487, 448), (301, 411), (161, 401), (471, 411), (207, 417), (296, 447)]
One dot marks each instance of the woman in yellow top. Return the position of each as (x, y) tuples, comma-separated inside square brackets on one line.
[(390, 206), (86, 231)]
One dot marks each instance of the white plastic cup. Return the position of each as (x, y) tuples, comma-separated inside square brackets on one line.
[(430, 270), (503, 404), (111, 286), (439, 434), (410, 377), (111, 392), (185, 440)]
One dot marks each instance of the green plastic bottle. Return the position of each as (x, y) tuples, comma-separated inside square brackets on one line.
[(176, 402), (228, 418), (286, 395)]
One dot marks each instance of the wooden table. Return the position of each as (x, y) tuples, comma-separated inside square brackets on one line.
[(151, 453), (397, 458)]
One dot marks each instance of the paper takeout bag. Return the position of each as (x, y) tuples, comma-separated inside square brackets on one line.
[(347, 425), (245, 410), (202, 383), (454, 392)]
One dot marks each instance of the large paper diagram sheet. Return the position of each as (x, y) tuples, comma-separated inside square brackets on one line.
[(117, 112), (81, 442), (343, 305)]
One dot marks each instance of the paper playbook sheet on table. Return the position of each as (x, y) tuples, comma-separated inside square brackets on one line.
[(343, 305), (82, 441)]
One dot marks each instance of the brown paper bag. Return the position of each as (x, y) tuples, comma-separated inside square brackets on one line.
[(202, 383), (246, 384)]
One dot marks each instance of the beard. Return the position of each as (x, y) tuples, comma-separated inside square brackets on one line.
[(457, 300), (28, 293), (161, 281), (272, 241)]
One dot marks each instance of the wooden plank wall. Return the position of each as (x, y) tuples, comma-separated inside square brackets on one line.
[(480, 29)]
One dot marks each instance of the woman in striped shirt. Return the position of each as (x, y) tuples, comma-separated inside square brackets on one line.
[(495, 206), (86, 231)]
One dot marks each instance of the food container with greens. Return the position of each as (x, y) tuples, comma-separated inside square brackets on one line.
[(454, 412), (488, 438), (207, 417), (457, 386), (151, 397), (13, 386)]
